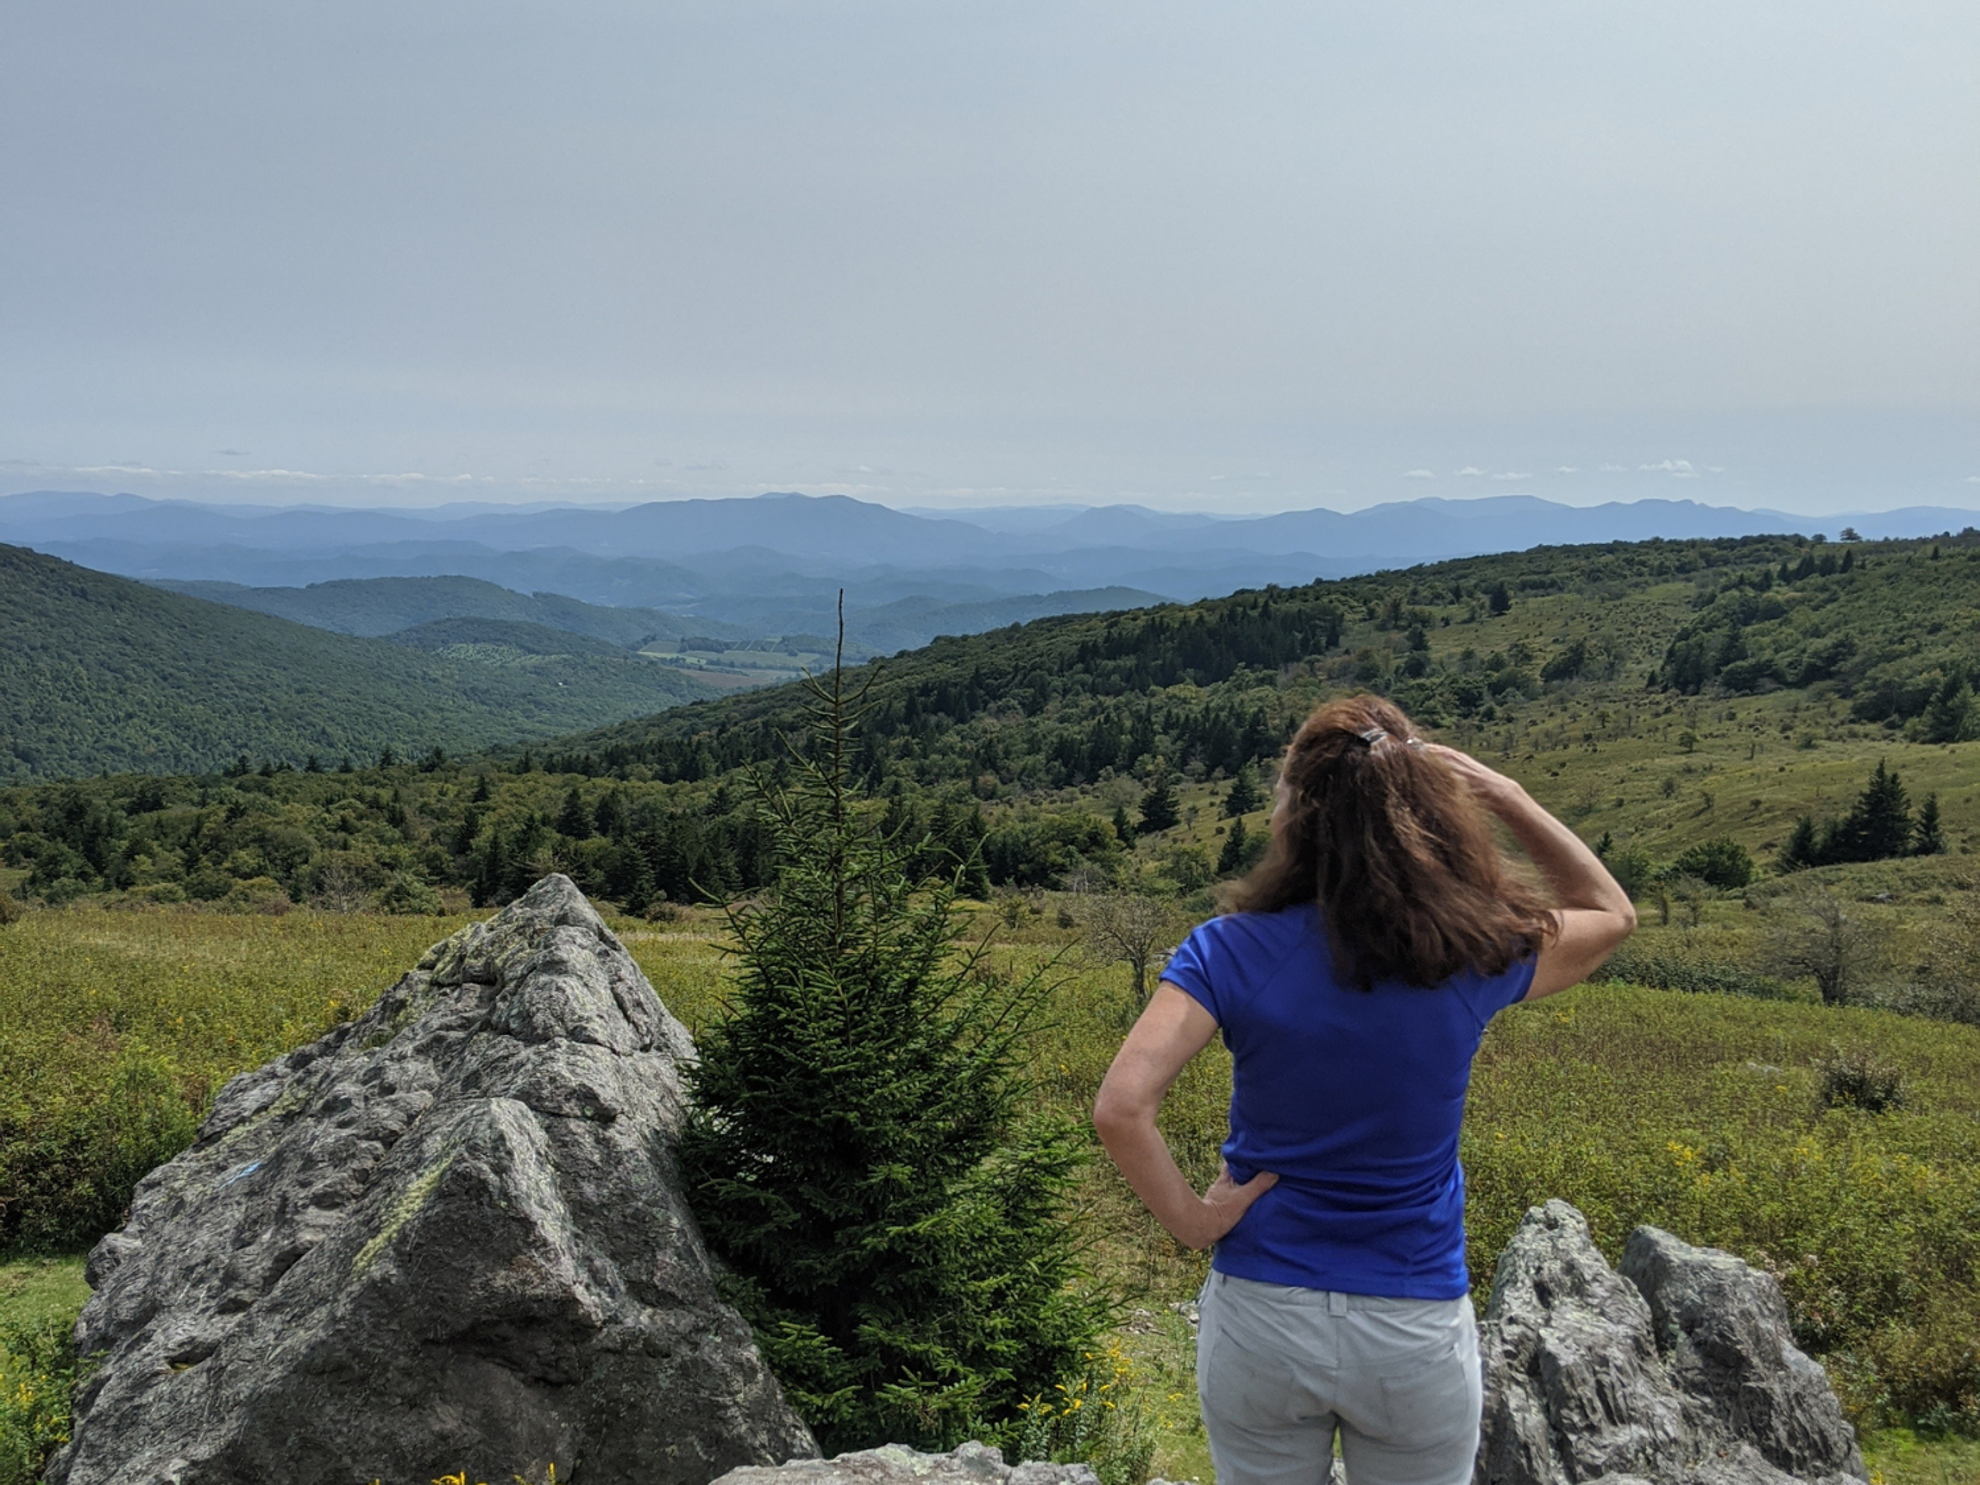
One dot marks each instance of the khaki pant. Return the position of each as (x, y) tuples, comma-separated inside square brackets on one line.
[(1280, 1370)]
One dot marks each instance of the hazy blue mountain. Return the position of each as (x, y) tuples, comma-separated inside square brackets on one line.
[(387, 605), (775, 563), (883, 614)]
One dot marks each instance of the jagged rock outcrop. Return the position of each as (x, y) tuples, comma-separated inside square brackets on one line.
[(1679, 1370), (446, 1236), (972, 1464)]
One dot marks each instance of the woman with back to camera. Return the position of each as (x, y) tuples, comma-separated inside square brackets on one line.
[(1352, 983)]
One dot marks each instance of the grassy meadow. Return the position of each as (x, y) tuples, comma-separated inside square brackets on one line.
[(1705, 1114)]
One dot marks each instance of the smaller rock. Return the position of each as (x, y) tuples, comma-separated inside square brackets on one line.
[(1722, 1328), (895, 1464), (1679, 1370)]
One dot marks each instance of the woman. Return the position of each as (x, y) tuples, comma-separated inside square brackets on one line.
[(1352, 984)]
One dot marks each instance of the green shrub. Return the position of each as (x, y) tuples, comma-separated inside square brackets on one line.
[(1664, 970), (40, 1374), (1097, 1418), (408, 894), (1723, 863), (67, 1167), (1858, 1078)]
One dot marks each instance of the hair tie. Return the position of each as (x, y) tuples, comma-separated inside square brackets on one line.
[(1371, 736)]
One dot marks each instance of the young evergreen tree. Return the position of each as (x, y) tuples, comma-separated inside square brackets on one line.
[(1123, 826), (1950, 716), (1159, 810), (574, 820), (1878, 826), (1803, 848), (1230, 860), (894, 1226), (1928, 836), (1244, 796)]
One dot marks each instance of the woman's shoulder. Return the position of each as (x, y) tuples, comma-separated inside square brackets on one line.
[(1223, 962)]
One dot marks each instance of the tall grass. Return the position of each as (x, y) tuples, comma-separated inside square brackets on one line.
[(116, 1029)]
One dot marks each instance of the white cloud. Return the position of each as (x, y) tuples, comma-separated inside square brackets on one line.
[(1513, 474), (1973, 479), (1471, 471), (1615, 469), (1418, 474), (1675, 468), (1568, 469)]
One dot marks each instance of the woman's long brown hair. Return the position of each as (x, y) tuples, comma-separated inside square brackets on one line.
[(1398, 854)]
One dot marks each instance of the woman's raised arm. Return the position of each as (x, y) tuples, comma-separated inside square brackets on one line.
[(1594, 912)]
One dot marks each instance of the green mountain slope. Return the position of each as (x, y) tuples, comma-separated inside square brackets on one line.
[(508, 641), (99, 672), (1883, 627), (378, 606)]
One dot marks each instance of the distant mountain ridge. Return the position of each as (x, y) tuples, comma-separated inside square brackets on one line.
[(776, 564), (840, 533), (375, 607)]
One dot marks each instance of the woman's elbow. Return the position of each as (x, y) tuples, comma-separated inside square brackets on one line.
[(1625, 920), (1114, 1115)]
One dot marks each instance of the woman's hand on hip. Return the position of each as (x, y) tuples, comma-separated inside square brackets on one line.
[(1172, 1030), (1225, 1204)]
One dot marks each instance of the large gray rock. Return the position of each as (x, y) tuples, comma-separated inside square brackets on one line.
[(444, 1237), (1680, 1370)]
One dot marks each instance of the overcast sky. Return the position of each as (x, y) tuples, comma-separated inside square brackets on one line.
[(1223, 256)]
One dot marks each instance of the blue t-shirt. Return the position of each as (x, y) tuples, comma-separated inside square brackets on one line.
[(1353, 1096)]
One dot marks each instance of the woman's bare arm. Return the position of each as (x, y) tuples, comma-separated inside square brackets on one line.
[(1172, 1030), (1595, 914)]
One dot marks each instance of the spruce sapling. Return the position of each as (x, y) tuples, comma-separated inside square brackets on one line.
[(858, 1154)]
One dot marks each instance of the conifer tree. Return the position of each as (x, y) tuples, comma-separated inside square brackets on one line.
[(574, 820), (1244, 796), (1803, 848), (1928, 835), (1158, 807), (857, 1153), (1879, 825), (1950, 714), (1230, 860)]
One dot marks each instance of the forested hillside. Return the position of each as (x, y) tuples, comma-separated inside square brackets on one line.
[(102, 673), (1084, 748), (1468, 645)]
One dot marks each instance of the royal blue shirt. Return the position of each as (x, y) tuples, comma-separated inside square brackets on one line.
[(1352, 1096)]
